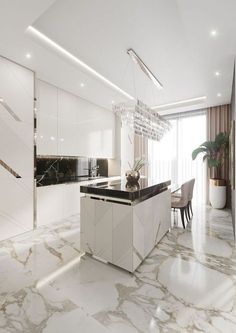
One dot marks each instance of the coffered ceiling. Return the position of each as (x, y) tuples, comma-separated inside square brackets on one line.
[(188, 45)]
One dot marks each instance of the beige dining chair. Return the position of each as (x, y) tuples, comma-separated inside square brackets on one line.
[(181, 200)]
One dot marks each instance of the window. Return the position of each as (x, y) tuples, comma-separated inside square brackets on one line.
[(171, 157)]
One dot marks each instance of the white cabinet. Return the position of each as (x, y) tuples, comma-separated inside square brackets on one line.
[(71, 126), (55, 203), (16, 148), (84, 129), (47, 110)]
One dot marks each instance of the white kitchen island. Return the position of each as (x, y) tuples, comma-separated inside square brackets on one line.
[(121, 225)]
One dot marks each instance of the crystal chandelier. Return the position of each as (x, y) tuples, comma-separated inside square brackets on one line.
[(145, 121)]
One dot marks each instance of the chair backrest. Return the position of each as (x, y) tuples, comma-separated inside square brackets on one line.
[(191, 187), (185, 187)]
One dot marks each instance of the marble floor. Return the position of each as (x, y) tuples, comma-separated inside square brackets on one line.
[(187, 284)]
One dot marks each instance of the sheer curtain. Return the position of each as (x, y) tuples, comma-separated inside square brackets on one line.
[(171, 157)]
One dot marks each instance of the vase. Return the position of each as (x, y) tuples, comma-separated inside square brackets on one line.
[(132, 176), (217, 193)]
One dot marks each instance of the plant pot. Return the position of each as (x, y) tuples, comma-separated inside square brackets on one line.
[(132, 176), (217, 193)]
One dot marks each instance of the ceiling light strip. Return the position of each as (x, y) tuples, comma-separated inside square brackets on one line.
[(70, 56), (186, 101), (144, 68)]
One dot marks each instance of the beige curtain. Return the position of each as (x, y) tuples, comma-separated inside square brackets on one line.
[(141, 151), (219, 120)]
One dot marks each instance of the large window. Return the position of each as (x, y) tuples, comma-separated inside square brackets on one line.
[(171, 157)]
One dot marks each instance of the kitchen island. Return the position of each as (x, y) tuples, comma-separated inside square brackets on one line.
[(121, 224)]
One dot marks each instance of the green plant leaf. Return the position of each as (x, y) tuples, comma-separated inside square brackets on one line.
[(206, 156), (222, 139), (198, 151), (213, 163), (209, 145)]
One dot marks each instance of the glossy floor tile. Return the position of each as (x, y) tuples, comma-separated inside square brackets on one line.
[(187, 284)]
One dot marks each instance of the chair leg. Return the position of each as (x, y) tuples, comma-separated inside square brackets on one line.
[(182, 216), (188, 209), (190, 205), (186, 213)]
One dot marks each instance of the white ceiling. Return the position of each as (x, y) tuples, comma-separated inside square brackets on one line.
[(171, 36)]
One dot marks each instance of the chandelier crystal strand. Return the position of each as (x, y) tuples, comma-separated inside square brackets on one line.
[(145, 121)]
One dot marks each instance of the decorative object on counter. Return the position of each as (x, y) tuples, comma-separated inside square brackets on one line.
[(133, 175), (132, 186), (215, 152), (143, 120)]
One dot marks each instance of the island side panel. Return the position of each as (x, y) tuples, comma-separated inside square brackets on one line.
[(151, 221), (143, 240), (122, 244), (161, 215)]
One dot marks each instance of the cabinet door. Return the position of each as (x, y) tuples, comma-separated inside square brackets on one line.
[(71, 200), (143, 239), (103, 230), (47, 136), (49, 204), (68, 135), (122, 236)]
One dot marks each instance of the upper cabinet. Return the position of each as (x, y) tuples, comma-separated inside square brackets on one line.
[(47, 117), (79, 127)]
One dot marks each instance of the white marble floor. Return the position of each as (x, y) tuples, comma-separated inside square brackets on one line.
[(188, 283)]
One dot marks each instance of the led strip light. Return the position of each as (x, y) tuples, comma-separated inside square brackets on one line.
[(79, 62), (182, 103)]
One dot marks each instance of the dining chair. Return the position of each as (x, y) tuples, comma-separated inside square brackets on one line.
[(191, 188), (181, 200)]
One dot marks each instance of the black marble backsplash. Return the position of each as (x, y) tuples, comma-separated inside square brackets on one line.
[(59, 170)]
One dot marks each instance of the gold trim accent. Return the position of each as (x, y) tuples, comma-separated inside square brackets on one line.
[(9, 169), (218, 182), (9, 110)]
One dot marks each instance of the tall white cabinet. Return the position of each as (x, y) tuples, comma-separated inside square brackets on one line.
[(16, 149), (71, 126), (47, 119)]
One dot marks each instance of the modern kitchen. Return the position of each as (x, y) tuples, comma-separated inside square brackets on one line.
[(117, 166)]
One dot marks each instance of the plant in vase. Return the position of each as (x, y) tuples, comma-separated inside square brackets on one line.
[(133, 175), (216, 153)]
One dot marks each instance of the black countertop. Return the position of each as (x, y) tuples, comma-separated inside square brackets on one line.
[(45, 181), (145, 189)]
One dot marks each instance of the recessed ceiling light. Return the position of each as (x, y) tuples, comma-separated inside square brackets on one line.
[(214, 33), (52, 138), (219, 95), (217, 73), (28, 55), (1, 100), (185, 101), (41, 136), (62, 139), (79, 62), (81, 84), (112, 102)]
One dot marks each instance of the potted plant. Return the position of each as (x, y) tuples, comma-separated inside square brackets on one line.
[(133, 175), (215, 152)]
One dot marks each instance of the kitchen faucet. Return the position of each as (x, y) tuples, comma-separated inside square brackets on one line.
[(92, 170)]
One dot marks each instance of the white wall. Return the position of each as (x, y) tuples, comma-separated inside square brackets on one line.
[(71, 126), (16, 148)]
